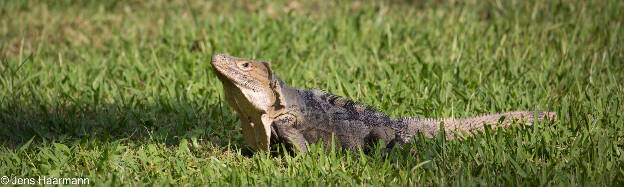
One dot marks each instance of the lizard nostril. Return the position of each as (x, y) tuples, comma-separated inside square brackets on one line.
[(217, 58)]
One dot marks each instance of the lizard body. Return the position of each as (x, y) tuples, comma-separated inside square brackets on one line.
[(271, 111)]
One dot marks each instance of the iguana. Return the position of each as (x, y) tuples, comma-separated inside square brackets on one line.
[(271, 111)]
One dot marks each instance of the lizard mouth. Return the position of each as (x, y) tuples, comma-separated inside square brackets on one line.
[(232, 77), (219, 65)]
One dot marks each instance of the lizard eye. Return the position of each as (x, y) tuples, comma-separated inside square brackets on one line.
[(244, 65)]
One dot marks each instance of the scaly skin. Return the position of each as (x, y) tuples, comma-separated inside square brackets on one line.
[(273, 112)]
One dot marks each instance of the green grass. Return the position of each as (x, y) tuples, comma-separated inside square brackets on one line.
[(111, 90)]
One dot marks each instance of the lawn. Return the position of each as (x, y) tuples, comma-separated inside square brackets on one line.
[(123, 91)]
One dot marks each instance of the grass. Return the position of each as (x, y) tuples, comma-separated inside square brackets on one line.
[(123, 92)]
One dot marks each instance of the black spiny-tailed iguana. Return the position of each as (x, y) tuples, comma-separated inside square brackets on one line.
[(269, 109)]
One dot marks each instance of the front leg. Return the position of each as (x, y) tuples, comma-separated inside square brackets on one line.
[(263, 133), (248, 131), (283, 128)]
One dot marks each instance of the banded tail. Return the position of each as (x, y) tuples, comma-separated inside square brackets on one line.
[(431, 127)]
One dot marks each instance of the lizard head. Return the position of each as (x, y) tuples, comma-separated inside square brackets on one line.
[(246, 81)]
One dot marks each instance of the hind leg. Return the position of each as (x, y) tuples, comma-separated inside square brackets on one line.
[(388, 135)]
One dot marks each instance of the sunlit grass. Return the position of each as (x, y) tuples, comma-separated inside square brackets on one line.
[(123, 92)]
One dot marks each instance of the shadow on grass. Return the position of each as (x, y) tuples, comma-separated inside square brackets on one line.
[(164, 121)]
